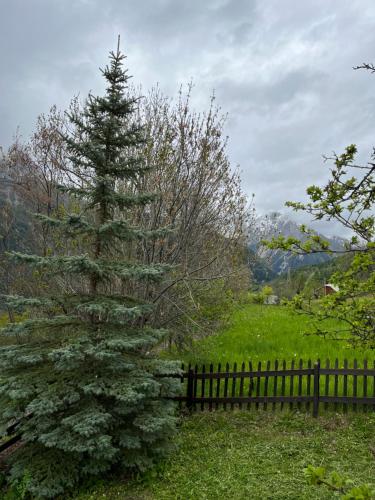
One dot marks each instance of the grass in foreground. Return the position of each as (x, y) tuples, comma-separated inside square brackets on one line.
[(262, 333), (254, 455)]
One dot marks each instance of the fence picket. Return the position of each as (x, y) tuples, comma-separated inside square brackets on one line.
[(203, 385), (275, 385), (283, 384), (226, 385), (241, 383), (251, 384), (326, 387), (218, 385), (258, 385), (336, 386), (266, 385), (345, 405), (300, 366), (211, 387), (365, 384), (355, 365), (234, 377), (195, 387), (316, 389), (190, 389), (291, 386), (308, 384)]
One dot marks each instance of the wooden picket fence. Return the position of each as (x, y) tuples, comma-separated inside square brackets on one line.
[(309, 386), (296, 386)]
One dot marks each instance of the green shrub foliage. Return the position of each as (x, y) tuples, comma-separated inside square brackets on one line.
[(80, 375), (342, 486)]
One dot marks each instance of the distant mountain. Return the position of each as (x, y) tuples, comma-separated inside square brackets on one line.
[(270, 263)]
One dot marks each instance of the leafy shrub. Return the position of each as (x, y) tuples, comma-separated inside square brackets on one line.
[(338, 483), (261, 297)]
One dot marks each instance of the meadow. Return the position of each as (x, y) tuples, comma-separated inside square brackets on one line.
[(257, 454), (262, 333), (250, 455)]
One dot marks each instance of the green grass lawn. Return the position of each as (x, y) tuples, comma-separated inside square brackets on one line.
[(257, 454), (254, 455), (262, 333)]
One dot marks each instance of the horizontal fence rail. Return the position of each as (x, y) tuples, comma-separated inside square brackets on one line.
[(300, 385)]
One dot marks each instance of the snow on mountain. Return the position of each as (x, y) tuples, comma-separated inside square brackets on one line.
[(276, 224)]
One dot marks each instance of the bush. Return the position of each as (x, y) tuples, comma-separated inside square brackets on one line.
[(338, 483)]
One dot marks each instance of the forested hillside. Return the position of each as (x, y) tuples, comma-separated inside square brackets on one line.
[(308, 280)]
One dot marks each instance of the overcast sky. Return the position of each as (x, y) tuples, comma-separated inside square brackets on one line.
[(281, 69)]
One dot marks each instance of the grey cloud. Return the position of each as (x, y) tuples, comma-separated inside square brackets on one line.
[(282, 70)]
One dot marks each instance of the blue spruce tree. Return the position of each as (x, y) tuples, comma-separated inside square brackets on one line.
[(78, 373)]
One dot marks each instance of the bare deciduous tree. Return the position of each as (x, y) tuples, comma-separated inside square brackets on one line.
[(202, 201), (37, 167)]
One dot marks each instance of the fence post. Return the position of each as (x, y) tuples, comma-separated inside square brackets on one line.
[(316, 389), (190, 390)]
